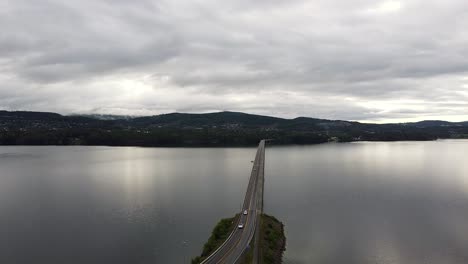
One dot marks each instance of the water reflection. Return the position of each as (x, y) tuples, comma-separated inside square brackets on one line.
[(115, 205), (371, 202), (401, 202)]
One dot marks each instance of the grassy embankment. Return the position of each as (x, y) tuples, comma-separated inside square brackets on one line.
[(272, 240), (220, 233)]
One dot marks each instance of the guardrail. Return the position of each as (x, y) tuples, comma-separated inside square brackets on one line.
[(251, 235), (252, 231), (224, 243)]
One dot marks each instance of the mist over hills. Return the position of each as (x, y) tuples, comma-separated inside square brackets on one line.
[(210, 129)]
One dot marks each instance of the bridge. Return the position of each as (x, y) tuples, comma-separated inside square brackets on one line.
[(239, 241)]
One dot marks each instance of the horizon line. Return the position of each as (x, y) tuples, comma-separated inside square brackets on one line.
[(228, 111)]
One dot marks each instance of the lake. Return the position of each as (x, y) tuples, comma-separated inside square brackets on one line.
[(366, 202)]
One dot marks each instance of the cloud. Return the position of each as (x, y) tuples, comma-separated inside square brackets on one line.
[(359, 60), (386, 7)]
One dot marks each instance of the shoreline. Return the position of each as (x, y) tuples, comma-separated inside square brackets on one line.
[(226, 146), (272, 240)]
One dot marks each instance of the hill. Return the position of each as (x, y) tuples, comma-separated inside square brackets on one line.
[(211, 129)]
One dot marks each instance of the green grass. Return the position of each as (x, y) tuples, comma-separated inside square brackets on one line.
[(220, 233), (272, 240)]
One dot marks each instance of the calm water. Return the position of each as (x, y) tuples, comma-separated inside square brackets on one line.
[(403, 202)]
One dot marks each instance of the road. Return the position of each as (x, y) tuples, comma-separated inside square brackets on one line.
[(238, 241)]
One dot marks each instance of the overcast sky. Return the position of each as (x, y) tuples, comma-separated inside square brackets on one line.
[(367, 60)]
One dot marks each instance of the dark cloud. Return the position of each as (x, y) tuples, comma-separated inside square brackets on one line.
[(360, 60)]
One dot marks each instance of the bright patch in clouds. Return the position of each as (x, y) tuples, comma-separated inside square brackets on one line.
[(388, 6)]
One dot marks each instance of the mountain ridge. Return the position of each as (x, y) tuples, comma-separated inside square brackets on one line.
[(424, 123), (206, 129)]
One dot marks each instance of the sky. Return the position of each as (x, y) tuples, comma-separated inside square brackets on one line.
[(364, 60)]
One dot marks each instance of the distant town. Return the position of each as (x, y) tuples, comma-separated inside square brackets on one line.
[(212, 129)]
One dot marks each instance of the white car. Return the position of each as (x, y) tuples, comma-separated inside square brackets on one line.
[(241, 226), (245, 212)]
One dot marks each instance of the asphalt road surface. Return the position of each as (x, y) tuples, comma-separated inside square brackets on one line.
[(238, 241)]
